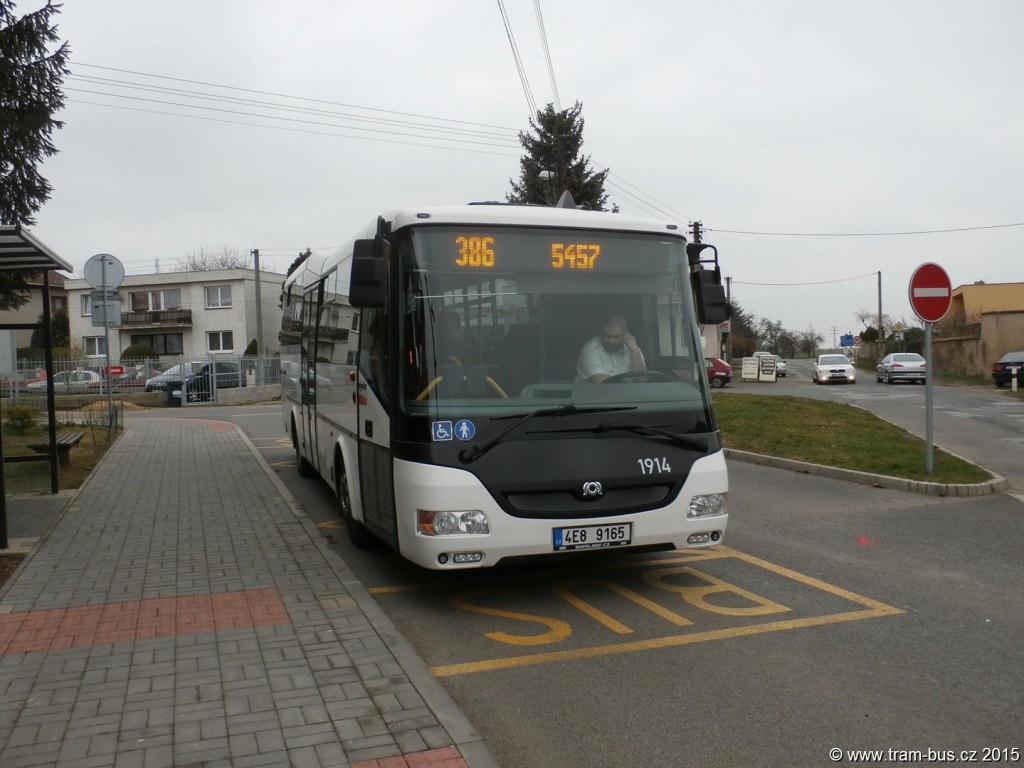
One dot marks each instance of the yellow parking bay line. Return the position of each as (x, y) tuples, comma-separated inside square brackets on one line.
[(872, 609)]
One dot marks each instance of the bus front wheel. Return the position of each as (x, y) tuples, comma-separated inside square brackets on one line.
[(357, 533)]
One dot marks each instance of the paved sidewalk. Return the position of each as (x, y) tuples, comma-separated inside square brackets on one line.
[(181, 612)]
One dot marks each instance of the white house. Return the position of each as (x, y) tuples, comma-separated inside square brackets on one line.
[(190, 314)]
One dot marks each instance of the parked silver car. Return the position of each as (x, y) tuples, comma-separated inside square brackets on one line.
[(67, 381), (900, 366)]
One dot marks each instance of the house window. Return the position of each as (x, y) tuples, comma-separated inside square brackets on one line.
[(218, 296), (161, 343), (151, 301), (95, 346), (86, 305), (221, 341)]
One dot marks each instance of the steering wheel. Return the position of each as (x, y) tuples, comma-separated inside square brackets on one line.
[(650, 375)]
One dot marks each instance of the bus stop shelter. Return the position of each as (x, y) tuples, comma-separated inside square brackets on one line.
[(21, 252)]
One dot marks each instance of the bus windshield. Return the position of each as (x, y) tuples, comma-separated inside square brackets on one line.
[(507, 320)]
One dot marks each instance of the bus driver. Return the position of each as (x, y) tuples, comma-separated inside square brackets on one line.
[(611, 352)]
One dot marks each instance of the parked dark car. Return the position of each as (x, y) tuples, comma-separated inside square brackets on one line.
[(176, 373), (200, 386), (1002, 371), (719, 372)]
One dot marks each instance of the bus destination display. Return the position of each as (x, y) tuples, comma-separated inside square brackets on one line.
[(478, 252)]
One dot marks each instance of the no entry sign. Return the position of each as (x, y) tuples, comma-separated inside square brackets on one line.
[(930, 292)]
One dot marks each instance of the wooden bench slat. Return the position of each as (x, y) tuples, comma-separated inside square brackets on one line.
[(64, 440)]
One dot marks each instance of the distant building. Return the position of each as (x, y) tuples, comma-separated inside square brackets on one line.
[(190, 314)]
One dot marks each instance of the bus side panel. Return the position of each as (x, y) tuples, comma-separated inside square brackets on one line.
[(377, 491)]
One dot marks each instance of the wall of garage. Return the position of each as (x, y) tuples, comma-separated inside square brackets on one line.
[(1000, 332)]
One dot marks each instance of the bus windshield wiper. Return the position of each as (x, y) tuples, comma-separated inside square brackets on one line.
[(693, 443), (477, 450)]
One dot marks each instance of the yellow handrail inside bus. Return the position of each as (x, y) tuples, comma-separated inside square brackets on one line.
[(438, 379)]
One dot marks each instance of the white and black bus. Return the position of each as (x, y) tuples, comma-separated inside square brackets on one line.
[(430, 376)]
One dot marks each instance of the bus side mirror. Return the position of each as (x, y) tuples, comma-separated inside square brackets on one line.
[(712, 307), (369, 280)]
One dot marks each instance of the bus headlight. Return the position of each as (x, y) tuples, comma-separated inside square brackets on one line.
[(707, 505), (450, 523)]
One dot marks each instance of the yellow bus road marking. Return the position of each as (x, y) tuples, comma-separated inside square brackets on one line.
[(657, 573), (396, 589), (671, 641)]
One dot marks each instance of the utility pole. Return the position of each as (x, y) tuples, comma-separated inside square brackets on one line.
[(835, 341), (696, 231), (881, 333), (728, 303), (259, 318)]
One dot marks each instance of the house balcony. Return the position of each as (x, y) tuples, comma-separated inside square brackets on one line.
[(160, 318)]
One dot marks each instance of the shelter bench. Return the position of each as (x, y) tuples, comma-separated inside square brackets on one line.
[(65, 442)]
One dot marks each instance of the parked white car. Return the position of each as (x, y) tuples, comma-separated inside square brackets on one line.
[(833, 369), (68, 381)]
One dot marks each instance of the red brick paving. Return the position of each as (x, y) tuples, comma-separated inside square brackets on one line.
[(139, 619)]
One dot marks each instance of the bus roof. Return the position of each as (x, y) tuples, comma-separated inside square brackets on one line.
[(529, 215)]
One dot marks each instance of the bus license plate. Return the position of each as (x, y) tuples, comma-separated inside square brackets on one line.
[(592, 536)]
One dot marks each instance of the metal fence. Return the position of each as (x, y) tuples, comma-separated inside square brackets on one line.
[(90, 376)]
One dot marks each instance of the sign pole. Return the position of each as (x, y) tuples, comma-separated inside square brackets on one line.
[(106, 344), (931, 293), (929, 436), (105, 272)]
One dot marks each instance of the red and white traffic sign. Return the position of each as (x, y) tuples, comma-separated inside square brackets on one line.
[(931, 292)]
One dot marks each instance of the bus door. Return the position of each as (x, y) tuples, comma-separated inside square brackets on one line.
[(307, 371), (376, 475)]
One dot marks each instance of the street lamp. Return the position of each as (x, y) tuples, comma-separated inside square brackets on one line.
[(549, 177)]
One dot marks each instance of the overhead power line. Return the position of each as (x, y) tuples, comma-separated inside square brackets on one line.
[(293, 129), (864, 234), (819, 282), (519, 62), (286, 96), (547, 53)]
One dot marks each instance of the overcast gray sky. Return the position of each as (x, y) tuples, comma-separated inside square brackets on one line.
[(790, 116)]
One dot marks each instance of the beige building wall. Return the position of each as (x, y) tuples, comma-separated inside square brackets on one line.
[(971, 301)]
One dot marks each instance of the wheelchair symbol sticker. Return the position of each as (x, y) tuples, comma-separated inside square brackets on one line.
[(442, 430), (465, 429)]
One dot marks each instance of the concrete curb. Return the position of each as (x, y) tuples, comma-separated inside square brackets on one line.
[(996, 485)]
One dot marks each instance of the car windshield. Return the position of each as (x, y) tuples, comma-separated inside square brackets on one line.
[(1012, 357), (908, 358), (834, 360), (494, 323)]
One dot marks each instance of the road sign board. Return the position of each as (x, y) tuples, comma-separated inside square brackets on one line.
[(103, 271), (931, 292), (106, 308)]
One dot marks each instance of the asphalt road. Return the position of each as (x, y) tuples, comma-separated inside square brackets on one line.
[(836, 616)]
